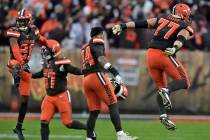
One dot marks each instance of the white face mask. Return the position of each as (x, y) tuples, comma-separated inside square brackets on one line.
[(46, 54)]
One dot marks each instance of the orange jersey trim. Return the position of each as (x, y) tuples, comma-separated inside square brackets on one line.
[(62, 62), (97, 40)]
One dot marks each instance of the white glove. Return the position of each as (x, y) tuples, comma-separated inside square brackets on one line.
[(117, 30), (118, 79), (170, 51)]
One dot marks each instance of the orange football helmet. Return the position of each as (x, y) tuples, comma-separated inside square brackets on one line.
[(24, 19), (184, 11)]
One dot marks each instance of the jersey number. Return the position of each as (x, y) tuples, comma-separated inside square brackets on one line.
[(49, 78), (87, 58), (163, 23)]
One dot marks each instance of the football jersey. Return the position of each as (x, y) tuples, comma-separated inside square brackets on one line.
[(166, 31), (26, 40), (55, 75), (90, 53)]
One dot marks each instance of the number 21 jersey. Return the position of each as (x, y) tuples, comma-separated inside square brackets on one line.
[(167, 29)]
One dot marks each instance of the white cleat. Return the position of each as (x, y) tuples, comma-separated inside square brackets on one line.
[(167, 122), (125, 136)]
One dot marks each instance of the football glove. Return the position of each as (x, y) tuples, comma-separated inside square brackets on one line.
[(117, 29), (171, 51), (26, 67)]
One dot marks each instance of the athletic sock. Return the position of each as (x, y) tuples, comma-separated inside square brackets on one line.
[(176, 85), (77, 125), (91, 123), (45, 131), (160, 105), (22, 113), (115, 116)]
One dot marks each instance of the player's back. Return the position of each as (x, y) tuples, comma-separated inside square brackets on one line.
[(90, 52), (166, 30)]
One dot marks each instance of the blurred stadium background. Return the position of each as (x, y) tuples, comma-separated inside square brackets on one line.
[(69, 22)]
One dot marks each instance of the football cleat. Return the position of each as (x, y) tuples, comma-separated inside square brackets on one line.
[(167, 123), (19, 133), (165, 98), (125, 136)]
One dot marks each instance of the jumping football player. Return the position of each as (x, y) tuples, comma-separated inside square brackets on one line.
[(97, 87), (22, 38), (171, 32), (55, 71)]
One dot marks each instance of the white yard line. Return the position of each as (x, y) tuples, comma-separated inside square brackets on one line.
[(106, 116), (38, 136)]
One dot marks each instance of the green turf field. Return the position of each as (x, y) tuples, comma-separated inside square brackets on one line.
[(145, 130)]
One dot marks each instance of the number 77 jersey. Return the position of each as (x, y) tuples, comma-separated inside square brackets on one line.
[(166, 30)]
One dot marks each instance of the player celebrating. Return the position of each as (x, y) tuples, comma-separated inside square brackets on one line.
[(55, 71), (171, 31), (22, 38), (97, 87)]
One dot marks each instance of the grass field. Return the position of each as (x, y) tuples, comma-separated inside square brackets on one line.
[(145, 130)]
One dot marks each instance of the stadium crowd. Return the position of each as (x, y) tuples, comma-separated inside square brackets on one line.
[(69, 21)]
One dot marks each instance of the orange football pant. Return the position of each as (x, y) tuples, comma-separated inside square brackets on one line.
[(60, 102), (98, 88), (160, 64), (25, 79)]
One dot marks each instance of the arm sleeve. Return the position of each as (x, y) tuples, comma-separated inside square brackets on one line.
[(38, 75), (72, 69)]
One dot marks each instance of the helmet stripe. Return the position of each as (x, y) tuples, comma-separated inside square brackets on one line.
[(22, 12)]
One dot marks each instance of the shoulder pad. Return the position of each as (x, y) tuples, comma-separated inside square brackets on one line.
[(63, 62), (98, 41), (12, 33), (190, 29)]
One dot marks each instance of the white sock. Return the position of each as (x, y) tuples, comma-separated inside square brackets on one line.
[(167, 90), (163, 115)]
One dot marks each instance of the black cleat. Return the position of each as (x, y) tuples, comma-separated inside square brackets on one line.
[(165, 98), (19, 133), (167, 123)]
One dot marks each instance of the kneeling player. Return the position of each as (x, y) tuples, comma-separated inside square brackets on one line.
[(55, 71)]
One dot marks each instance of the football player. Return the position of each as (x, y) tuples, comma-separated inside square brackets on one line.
[(97, 86), (22, 38), (171, 32), (55, 71)]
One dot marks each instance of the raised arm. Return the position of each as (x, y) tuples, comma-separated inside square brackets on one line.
[(149, 23), (38, 75)]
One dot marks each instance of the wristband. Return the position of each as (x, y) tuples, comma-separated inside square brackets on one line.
[(123, 26)]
